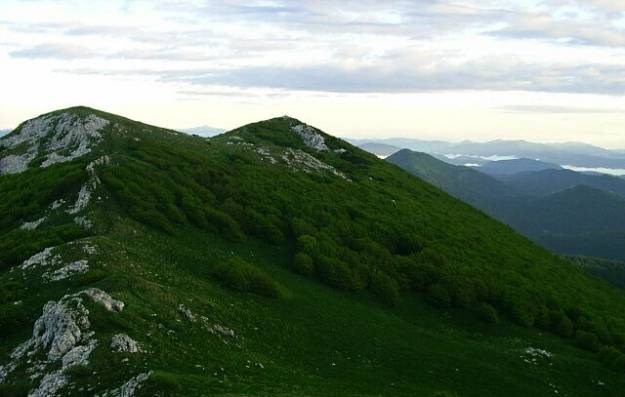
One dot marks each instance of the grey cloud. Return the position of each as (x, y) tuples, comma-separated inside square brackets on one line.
[(392, 78)]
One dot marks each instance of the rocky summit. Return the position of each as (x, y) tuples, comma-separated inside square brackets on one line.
[(273, 260)]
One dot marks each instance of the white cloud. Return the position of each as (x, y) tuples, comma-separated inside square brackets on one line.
[(234, 52)]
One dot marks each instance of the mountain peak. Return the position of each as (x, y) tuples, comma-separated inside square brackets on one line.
[(55, 137), (285, 131)]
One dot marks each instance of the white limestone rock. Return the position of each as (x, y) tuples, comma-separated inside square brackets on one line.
[(129, 388), (61, 326), (221, 330), (302, 161), (84, 196), (79, 355), (122, 343), (61, 334), (68, 270), (310, 136), (185, 311), (32, 225), (60, 138), (14, 164), (57, 204), (101, 297), (50, 384), (44, 258)]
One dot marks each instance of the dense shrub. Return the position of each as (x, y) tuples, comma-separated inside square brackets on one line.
[(487, 313), (385, 287), (587, 341), (561, 323), (421, 276), (19, 389), (238, 275), (438, 295), (303, 264), (612, 358)]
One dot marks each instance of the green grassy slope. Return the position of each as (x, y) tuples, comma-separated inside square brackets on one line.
[(299, 271)]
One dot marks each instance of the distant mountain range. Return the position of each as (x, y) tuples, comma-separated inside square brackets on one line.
[(478, 153), (203, 131), (4, 132), (514, 166), (380, 149), (566, 211), (549, 181)]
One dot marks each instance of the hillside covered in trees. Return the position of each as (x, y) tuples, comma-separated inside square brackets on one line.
[(274, 259)]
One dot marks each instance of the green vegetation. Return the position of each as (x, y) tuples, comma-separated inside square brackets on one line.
[(611, 271), (346, 278), (564, 211)]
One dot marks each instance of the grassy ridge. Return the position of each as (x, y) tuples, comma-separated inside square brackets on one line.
[(352, 278)]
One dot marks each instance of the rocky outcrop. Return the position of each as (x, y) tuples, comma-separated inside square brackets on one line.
[(310, 136), (60, 335), (300, 160), (129, 388), (44, 258), (122, 343), (68, 270), (58, 138), (32, 225), (185, 311)]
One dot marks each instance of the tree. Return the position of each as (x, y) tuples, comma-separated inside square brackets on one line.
[(385, 287), (303, 264), (487, 313), (438, 295)]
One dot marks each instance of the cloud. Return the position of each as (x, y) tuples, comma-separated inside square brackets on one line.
[(363, 46), (54, 51), (550, 109), (546, 27), (391, 77)]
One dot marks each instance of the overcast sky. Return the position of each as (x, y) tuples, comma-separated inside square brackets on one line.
[(549, 70)]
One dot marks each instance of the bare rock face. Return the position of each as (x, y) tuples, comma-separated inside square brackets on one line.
[(310, 136), (61, 326), (32, 225), (68, 270), (185, 311), (60, 335), (297, 159), (101, 297), (122, 343), (129, 388), (58, 138), (44, 258)]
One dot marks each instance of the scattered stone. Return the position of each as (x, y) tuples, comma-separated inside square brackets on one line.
[(84, 222), (71, 269), (300, 160), (221, 330)]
